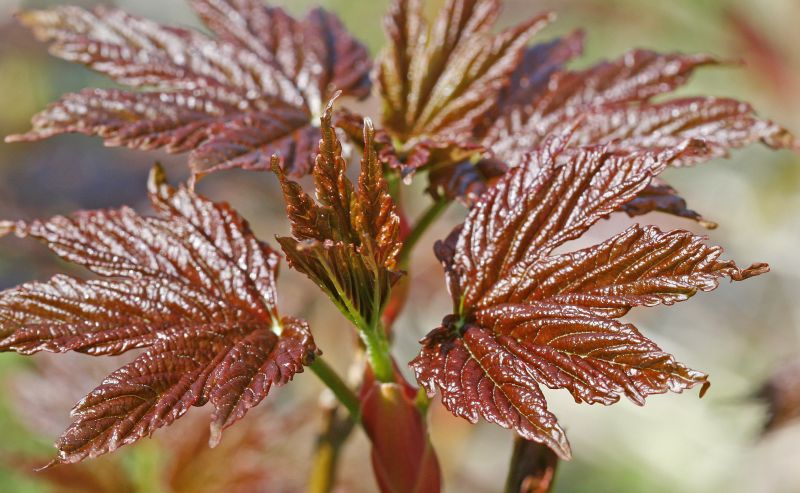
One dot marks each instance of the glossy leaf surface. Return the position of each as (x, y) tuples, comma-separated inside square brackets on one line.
[(231, 101), (610, 103), (436, 81), (192, 286), (524, 316)]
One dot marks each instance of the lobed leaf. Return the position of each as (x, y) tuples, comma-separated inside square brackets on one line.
[(610, 103), (437, 81), (192, 286), (524, 316), (722, 123), (231, 101)]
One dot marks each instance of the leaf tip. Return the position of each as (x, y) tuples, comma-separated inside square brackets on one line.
[(754, 270), (704, 388), (328, 113), (49, 465), (275, 165), (215, 435), (707, 224)]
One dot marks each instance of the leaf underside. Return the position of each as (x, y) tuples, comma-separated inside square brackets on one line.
[(193, 287)]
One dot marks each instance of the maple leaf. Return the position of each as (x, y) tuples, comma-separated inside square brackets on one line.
[(524, 316), (610, 103), (436, 82), (231, 101), (347, 241), (193, 286), (424, 152)]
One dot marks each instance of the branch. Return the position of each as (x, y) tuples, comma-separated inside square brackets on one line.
[(532, 468), (340, 389), (336, 430), (420, 227)]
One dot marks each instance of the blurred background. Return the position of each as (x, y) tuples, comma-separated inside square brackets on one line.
[(678, 443)]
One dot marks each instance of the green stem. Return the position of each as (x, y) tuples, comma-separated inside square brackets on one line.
[(378, 353), (340, 389), (420, 227)]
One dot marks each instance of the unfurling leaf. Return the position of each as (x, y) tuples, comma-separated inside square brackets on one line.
[(424, 153), (231, 101), (347, 241), (436, 82), (193, 286), (524, 316)]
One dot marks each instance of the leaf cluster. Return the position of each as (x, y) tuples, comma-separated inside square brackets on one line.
[(538, 153)]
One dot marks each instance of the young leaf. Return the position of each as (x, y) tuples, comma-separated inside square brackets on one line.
[(436, 82), (539, 63), (347, 241), (231, 102), (609, 103), (525, 317), (193, 286)]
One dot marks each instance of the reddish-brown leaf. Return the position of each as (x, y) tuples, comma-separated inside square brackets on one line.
[(609, 103), (723, 124), (347, 241), (534, 71), (637, 76), (524, 316), (188, 465), (232, 101), (437, 81), (193, 286), (660, 196)]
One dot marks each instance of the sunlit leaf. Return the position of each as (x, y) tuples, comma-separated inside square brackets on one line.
[(192, 286), (347, 240), (231, 101), (525, 316), (437, 81)]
